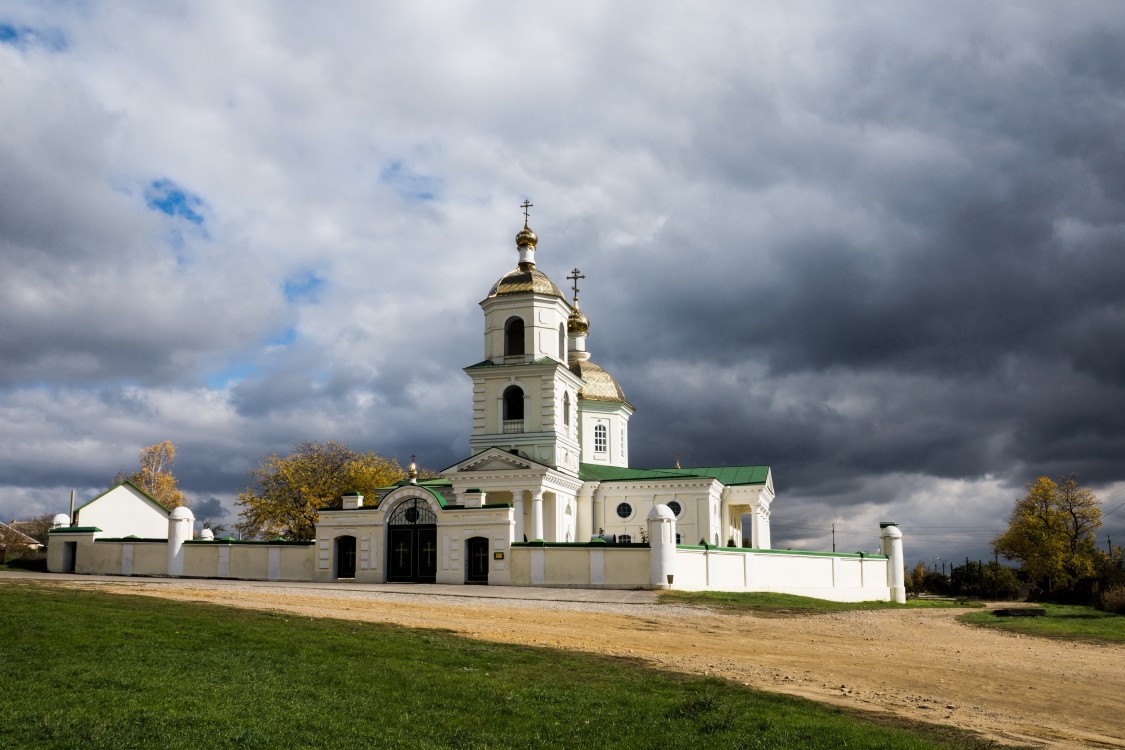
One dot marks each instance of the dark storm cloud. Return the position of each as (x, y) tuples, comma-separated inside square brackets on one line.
[(982, 313)]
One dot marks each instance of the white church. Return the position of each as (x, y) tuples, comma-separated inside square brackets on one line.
[(545, 498)]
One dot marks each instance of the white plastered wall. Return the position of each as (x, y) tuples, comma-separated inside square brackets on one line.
[(124, 511)]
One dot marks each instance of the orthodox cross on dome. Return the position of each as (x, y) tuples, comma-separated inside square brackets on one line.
[(575, 276), (526, 214)]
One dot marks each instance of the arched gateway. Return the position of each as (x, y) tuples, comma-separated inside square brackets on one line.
[(412, 551)]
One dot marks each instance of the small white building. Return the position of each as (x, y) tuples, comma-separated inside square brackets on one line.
[(124, 510)]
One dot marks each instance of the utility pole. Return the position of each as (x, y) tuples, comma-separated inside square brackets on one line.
[(834, 539)]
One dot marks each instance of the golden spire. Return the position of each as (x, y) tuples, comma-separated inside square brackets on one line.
[(576, 322), (413, 473), (526, 237)]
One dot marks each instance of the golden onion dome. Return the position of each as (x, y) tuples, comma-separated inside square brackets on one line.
[(527, 278), (600, 385), (577, 322), (526, 237)]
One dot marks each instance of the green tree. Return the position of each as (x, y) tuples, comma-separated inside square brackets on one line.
[(155, 475), (1051, 533), (287, 493), (918, 577)]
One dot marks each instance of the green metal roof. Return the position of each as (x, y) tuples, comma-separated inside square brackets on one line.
[(727, 475), (156, 502)]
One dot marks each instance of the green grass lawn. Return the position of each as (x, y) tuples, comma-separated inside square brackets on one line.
[(786, 604), (1061, 621), (94, 670)]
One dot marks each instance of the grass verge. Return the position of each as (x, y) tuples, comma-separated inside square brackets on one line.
[(782, 605), (95, 670), (1061, 621)]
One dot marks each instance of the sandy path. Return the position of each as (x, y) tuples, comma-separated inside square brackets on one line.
[(920, 663)]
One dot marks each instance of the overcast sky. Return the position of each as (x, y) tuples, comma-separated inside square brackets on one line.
[(878, 247)]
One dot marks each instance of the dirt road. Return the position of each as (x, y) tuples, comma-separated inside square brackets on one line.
[(917, 663)]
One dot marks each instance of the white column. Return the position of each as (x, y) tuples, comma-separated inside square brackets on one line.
[(584, 513), (517, 500), (892, 548), (180, 521), (537, 514)]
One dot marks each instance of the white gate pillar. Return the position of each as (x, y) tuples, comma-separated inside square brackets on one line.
[(891, 538), (662, 546), (180, 521)]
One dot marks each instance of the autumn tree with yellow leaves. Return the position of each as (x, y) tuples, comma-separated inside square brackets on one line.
[(1051, 533), (155, 475), (287, 492)]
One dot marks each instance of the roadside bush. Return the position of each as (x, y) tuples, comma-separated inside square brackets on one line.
[(1113, 600)]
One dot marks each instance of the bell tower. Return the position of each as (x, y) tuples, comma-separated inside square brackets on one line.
[(525, 397)]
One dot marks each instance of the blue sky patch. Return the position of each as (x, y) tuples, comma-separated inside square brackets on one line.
[(169, 198), (283, 338), (407, 183), (23, 37), (303, 287), (237, 371)]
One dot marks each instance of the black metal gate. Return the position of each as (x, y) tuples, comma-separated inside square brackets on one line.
[(476, 564), (412, 543)]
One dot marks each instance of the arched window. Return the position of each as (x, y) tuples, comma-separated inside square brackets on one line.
[(562, 342), (566, 409), (513, 408), (601, 438), (513, 338)]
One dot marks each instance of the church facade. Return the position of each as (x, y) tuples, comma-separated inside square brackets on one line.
[(545, 497), (549, 457)]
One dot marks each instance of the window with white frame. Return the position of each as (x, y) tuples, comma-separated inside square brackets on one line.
[(624, 539), (601, 438)]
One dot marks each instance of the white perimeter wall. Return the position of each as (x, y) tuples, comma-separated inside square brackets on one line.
[(842, 578)]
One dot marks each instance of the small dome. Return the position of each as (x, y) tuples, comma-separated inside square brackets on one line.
[(526, 237), (577, 322), (180, 512), (600, 385), (60, 519), (207, 535), (522, 281), (661, 511)]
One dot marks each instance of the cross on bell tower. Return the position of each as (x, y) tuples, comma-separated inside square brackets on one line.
[(575, 276)]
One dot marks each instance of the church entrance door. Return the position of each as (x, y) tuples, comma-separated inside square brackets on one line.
[(345, 557), (476, 550), (412, 543)]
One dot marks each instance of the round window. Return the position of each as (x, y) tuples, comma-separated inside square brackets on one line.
[(675, 508), (624, 510)]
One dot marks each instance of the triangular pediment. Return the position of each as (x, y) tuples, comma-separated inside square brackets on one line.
[(492, 460)]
